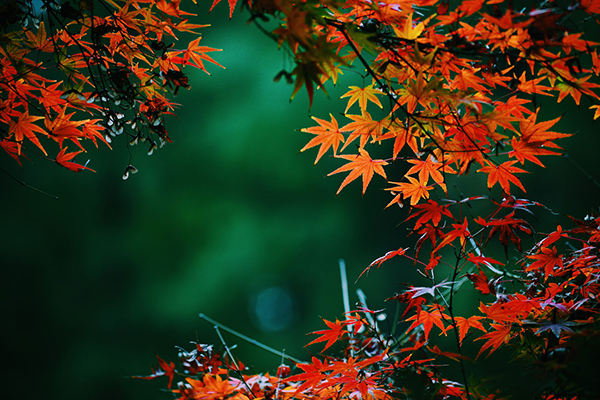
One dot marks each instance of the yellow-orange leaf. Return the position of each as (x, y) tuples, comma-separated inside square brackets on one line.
[(362, 95), (409, 31), (415, 190)]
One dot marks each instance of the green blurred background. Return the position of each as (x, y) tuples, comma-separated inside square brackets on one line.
[(229, 220)]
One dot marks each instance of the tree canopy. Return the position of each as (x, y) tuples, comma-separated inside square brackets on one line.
[(450, 89)]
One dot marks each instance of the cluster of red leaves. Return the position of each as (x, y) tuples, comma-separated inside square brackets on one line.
[(91, 73), (460, 87)]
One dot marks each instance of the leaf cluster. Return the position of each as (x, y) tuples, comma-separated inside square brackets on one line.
[(91, 72), (459, 86)]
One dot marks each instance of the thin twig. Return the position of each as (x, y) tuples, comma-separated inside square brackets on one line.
[(235, 364), (28, 186), (250, 340)]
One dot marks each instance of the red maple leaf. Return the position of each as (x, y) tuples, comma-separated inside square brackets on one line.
[(331, 335), (496, 338), (481, 282), (464, 324), (548, 260), (428, 319), (64, 159)]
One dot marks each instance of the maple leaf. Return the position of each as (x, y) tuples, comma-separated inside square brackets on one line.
[(410, 31), (548, 260), (61, 127), (312, 376), (429, 168), (481, 282), (164, 369), (331, 335), (481, 260), (51, 97), (11, 148), (39, 40), (415, 190), (420, 291), (364, 126), (360, 165), (501, 335), (576, 88), (507, 226), (25, 127), (328, 135), (470, 7), (460, 231), (552, 237), (232, 4), (428, 319), (533, 86), (172, 8), (64, 159), (307, 73), (430, 211), (198, 54), (511, 309), (503, 173), (464, 324), (382, 259), (362, 95)]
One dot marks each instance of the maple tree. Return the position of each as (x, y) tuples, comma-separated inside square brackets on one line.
[(450, 89)]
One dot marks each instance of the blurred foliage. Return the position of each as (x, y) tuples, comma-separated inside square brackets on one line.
[(116, 270)]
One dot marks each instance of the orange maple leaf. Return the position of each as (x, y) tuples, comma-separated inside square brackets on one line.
[(198, 53), (25, 127), (39, 40), (364, 126), (428, 168), (576, 88), (360, 165), (503, 173), (171, 8), (232, 4), (415, 190), (62, 127), (328, 135)]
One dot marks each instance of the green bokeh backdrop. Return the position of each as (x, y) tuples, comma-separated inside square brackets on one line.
[(113, 271)]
